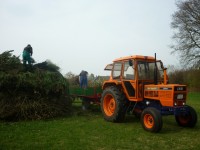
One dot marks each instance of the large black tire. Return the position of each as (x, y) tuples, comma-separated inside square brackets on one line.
[(151, 119), (187, 120), (113, 104)]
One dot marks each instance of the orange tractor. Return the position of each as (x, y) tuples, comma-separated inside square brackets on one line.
[(139, 84)]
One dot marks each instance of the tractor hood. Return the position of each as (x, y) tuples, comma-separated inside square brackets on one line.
[(168, 95)]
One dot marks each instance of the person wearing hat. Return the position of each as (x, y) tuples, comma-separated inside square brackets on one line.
[(27, 53)]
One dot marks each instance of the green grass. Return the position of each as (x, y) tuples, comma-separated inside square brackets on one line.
[(88, 130)]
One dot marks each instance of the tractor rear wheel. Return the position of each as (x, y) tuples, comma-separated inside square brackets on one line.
[(151, 119), (187, 120), (113, 104)]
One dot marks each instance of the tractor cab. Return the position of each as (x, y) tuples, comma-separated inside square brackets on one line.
[(133, 72)]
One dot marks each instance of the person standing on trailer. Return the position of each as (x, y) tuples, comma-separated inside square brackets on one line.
[(27, 53), (83, 79)]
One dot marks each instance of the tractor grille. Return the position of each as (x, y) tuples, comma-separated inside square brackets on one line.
[(179, 96), (179, 93)]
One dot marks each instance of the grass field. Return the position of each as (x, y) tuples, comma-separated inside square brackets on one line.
[(88, 130)]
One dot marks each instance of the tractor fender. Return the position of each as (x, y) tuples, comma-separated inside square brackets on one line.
[(111, 83)]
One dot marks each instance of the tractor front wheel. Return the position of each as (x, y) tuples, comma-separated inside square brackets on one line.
[(151, 119), (187, 120)]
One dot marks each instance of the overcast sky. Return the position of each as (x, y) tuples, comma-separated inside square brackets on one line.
[(87, 34)]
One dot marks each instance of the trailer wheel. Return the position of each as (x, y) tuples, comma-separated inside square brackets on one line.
[(187, 120), (151, 119), (113, 104)]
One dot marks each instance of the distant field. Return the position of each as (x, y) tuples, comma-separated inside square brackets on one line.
[(88, 130)]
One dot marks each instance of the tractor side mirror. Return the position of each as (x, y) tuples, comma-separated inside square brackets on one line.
[(130, 62)]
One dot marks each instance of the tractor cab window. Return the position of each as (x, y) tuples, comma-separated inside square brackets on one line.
[(146, 70), (117, 70), (129, 71), (109, 67)]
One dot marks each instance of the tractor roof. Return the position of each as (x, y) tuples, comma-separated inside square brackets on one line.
[(134, 57)]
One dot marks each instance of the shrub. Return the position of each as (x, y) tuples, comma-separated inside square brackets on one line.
[(39, 94)]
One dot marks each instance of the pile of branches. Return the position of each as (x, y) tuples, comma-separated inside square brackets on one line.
[(39, 93)]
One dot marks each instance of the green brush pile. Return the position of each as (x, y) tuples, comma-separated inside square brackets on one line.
[(40, 93)]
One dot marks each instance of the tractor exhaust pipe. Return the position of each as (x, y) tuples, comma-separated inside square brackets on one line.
[(155, 73)]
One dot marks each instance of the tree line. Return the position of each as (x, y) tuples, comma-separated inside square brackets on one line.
[(186, 43), (189, 77)]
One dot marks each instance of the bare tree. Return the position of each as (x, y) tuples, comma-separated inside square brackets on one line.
[(72, 78), (69, 75), (186, 24)]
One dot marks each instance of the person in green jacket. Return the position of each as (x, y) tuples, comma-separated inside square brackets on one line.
[(27, 53)]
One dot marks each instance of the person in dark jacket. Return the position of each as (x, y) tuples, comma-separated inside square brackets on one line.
[(27, 53), (83, 79)]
